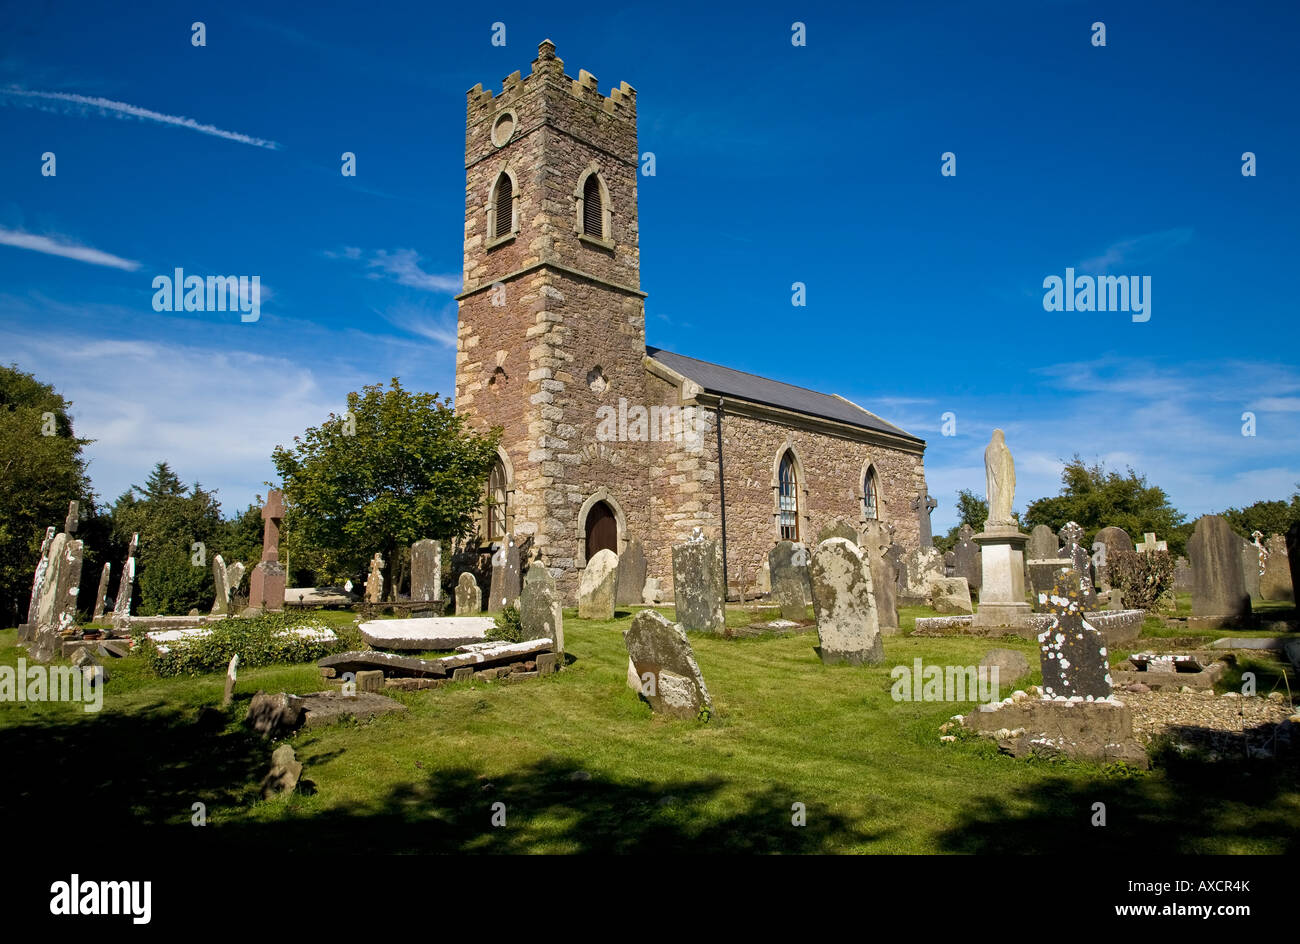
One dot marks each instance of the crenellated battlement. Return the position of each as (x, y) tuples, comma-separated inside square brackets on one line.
[(620, 102)]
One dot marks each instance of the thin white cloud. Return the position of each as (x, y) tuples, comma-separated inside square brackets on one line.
[(425, 324), (71, 103), (402, 266), (57, 247), (1137, 250)]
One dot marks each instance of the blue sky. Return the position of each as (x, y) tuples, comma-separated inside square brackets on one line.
[(924, 291)]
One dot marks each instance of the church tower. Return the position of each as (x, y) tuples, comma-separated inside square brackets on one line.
[(551, 321)]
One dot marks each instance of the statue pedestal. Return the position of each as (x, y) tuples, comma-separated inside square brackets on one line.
[(1002, 560), (266, 586)]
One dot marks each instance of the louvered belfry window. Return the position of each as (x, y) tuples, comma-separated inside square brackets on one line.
[(504, 207), (789, 500), (593, 213)]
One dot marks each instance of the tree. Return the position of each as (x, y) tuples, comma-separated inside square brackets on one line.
[(41, 469), (971, 510), (175, 571), (1270, 517), (1096, 498), (397, 467)]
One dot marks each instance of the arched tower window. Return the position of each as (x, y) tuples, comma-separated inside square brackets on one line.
[(494, 515), (788, 500), (593, 208), (503, 203), (870, 495)]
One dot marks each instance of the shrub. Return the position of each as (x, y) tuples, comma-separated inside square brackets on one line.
[(1142, 578), (508, 627), (258, 641)]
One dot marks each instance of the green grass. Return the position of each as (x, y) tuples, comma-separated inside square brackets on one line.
[(582, 765)]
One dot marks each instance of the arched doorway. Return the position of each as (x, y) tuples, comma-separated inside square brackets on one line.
[(602, 529)]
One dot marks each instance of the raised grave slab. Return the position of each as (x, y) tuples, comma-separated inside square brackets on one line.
[(424, 633), (329, 707), (390, 663), (1271, 643)]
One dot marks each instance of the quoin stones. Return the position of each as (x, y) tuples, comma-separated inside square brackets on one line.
[(848, 628), (663, 668), (698, 590)]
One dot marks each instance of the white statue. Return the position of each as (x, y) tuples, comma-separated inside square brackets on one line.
[(1000, 479)]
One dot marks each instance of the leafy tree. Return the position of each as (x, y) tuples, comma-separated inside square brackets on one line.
[(398, 467), (1097, 498), (41, 469), (174, 575), (971, 510), (1270, 517)]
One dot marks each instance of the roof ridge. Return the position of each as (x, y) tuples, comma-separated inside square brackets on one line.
[(749, 373)]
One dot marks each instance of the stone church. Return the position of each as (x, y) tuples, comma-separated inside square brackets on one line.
[(608, 440)]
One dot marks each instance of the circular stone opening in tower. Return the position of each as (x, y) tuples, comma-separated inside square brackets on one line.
[(503, 128)]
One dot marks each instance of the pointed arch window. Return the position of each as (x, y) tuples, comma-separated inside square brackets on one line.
[(495, 503), (788, 499), (870, 495), (593, 208)]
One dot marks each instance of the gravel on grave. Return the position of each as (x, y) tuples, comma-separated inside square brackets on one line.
[(1208, 720)]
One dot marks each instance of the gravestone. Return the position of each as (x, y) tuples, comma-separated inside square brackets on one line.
[(630, 586), (426, 575), (126, 586), (540, 613), (469, 598), (266, 585), (848, 628), (662, 667), (698, 590), (763, 579), (38, 579), (232, 674), (1182, 574), (923, 505), (1072, 547), (949, 564), (950, 596), (924, 566), (1107, 542), (56, 610), (839, 528), (222, 588), (894, 554), (1149, 543), (1072, 653), (101, 598), (788, 564), (1250, 570), (1276, 582), (1219, 595), (1042, 544), (505, 586), (596, 586), (966, 557), (875, 545), (374, 581)]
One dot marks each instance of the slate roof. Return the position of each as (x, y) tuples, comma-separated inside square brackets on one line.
[(736, 383)]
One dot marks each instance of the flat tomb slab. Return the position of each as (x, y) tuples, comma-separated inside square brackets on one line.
[(329, 707), (427, 632), (390, 663), (1250, 642)]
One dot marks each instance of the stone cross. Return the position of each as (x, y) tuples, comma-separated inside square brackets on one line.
[(923, 505), (375, 582), (1151, 544), (273, 515)]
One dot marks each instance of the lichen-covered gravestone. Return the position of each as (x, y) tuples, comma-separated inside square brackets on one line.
[(630, 587), (848, 628), (698, 591), (57, 609), (1219, 595), (596, 586), (1072, 653), (788, 564), (1250, 570), (1276, 582), (426, 575), (101, 598), (663, 668), (839, 528), (540, 614), (504, 587), (875, 545), (469, 598)]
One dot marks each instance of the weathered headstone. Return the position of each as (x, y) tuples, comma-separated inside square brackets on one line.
[(698, 591), (1251, 560), (283, 776), (232, 674), (38, 579), (1072, 653), (101, 597), (788, 564), (505, 586), (1149, 543), (1042, 544), (374, 581), (630, 586), (540, 614), (57, 608), (1072, 547), (1107, 542), (1275, 584), (848, 628), (923, 505), (662, 667), (1219, 595), (221, 586), (426, 575), (875, 545), (966, 557), (267, 583), (949, 564), (1182, 574), (839, 528), (596, 586), (1011, 664), (652, 594), (469, 598), (950, 595), (924, 566), (126, 586), (895, 555)]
